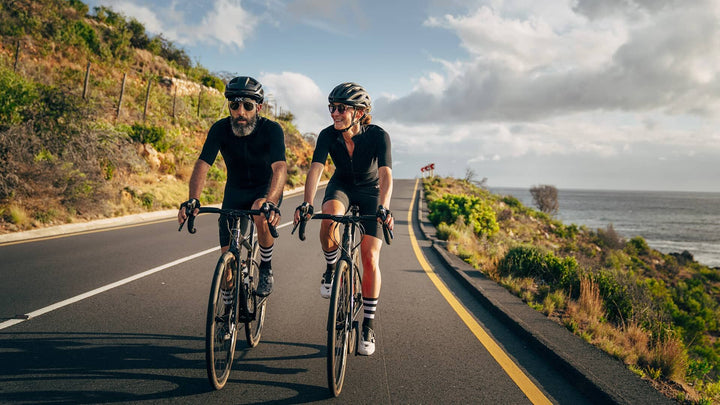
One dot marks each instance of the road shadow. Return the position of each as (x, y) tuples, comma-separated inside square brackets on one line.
[(91, 368)]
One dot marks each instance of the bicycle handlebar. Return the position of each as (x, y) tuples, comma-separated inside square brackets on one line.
[(229, 212), (344, 219)]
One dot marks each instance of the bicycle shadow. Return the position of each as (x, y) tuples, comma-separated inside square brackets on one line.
[(90, 368)]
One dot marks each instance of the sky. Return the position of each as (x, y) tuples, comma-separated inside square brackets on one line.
[(578, 94)]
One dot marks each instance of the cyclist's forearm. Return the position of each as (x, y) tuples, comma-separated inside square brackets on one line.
[(386, 186), (312, 180), (277, 183), (197, 180)]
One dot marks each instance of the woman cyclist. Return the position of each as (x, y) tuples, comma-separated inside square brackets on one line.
[(363, 176)]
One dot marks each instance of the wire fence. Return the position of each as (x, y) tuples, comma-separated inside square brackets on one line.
[(144, 92)]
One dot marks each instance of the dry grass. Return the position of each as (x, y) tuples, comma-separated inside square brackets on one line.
[(588, 309), (669, 357), (17, 216)]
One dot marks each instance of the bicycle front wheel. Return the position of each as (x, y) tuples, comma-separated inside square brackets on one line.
[(255, 305), (339, 324), (221, 324)]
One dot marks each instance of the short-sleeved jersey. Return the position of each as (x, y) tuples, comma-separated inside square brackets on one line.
[(372, 150), (248, 158)]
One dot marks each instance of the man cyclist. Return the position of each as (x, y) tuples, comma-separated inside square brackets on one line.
[(253, 148), (363, 176)]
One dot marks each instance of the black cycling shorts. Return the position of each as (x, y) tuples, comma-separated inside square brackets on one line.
[(366, 197), (239, 199)]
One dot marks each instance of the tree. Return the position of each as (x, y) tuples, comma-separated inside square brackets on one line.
[(546, 198)]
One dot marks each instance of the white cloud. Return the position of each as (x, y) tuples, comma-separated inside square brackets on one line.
[(143, 14), (529, 63), (300, 95), (623, 82), (226, 22)]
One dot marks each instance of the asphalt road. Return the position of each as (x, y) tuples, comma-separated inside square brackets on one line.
[(141, 339)]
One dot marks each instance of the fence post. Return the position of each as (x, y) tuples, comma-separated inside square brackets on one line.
[(199, 98), (122, 92), (174, 99), (87, 81), (17, 56), (147, 98)]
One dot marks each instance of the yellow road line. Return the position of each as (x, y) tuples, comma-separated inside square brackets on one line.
[(513, 371)]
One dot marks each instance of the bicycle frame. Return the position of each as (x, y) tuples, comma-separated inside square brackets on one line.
[(349, 253), (238, 274), (344, 312)]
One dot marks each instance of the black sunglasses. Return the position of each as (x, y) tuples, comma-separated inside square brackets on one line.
[(339, 107), (247, 105)]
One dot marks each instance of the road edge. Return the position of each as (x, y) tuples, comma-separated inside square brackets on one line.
[(106, 223), (594, 371)]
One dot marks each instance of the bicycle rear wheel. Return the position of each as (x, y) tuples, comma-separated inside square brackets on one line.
[(221, 323), (255, 305), (339, 324)]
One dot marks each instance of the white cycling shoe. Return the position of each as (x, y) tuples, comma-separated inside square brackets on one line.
[(366, 346), (326, 285)]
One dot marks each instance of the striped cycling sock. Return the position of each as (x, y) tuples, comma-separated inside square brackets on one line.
[(266, 255), (227, 296), (370, 305), (331, 258)]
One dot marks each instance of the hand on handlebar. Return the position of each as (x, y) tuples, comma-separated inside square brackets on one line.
[(187, 209), (272, 213), (302, 214), (304, 211), (386, 218)]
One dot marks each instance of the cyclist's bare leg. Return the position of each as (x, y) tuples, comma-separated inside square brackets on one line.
[(227, 283), (370, 255), (329, 230), (263, 232)]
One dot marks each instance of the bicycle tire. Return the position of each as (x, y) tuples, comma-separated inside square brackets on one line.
[(221, 335), (339, 325), (255, 305), (358, 299)]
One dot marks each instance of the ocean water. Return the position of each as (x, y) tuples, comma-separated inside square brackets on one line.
[(669, 221)]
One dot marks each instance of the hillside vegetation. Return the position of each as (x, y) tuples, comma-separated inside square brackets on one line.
[(658, 313), (99, 119)]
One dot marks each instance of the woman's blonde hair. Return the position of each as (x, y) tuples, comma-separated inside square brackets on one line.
[(366, 119)]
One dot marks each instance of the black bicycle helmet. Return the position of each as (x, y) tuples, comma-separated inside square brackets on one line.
[(244, 86), (351, 94)]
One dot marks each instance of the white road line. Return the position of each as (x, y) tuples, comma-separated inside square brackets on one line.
[(96, 291)]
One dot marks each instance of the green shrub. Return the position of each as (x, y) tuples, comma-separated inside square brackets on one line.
[(529, 261), (147, 200), (155, 136), (472, 209), (637, 246), (16, 98), (512, 201), (216, 174), (214, 82), (616, 297)]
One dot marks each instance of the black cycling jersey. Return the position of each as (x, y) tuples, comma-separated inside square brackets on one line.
[(372, 150), (248, 158)]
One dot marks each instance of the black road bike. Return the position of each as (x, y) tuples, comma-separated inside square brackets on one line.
[(233, 304), (346, 302)]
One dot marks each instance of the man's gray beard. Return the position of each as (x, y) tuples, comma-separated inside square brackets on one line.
[(241, 130)]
